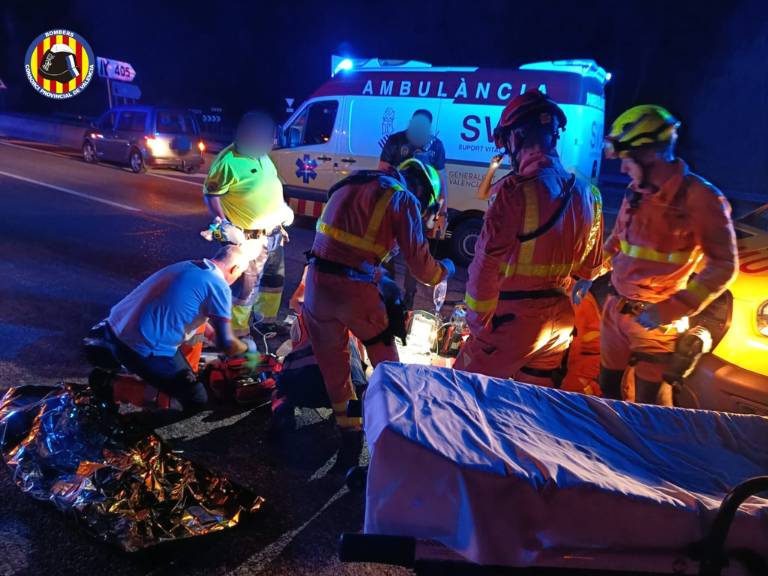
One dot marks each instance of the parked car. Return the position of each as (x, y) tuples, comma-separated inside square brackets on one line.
[(734, 376), (143, 136)]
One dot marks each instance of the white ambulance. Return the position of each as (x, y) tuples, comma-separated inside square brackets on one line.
[(344, 124)]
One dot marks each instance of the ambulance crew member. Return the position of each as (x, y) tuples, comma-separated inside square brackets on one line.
[(417, 141), (146, 329), (670, 223), (543, 230), (243, 188), (368, 214)]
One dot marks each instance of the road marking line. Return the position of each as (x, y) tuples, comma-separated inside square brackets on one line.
[(195, 184), (21, 146), (73, 156), (259, 561), (322, 472), (72, 192)]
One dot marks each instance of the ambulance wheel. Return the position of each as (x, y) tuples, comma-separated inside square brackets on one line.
[(136, 162), (89, 153), (357, 477), (463, 239)]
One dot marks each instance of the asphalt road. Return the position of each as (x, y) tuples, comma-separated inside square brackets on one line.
[(74, 238)]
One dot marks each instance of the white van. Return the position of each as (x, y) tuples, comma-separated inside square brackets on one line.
[(344, 124)]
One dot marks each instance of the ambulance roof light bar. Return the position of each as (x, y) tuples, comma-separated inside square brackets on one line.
[(344, 64), (584, 67)]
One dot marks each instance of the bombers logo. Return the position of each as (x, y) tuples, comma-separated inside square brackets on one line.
[(59, 64)]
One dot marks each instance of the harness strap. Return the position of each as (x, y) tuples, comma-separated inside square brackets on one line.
[(555, 218)]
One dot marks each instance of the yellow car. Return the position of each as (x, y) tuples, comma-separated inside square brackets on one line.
[(734, 377)]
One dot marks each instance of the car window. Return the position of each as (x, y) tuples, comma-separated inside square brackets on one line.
[(132, 121), (313, 126), (758, 219), (172, 122), (107, 122)]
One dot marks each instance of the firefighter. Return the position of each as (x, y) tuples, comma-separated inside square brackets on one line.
[(368, 215), (243, 188), (541, 236), (146, 331), (670, 224), (418, 142)]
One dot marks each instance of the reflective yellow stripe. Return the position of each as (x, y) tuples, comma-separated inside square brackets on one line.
[(643, 253), (378, 214), (698, 290), (590, 336), (438, 275), (367, 242), (596, 223), (530, 223), (351, 239), (538, 270), (480, 306)]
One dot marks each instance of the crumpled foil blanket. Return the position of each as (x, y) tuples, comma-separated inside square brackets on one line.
[(64, 447)]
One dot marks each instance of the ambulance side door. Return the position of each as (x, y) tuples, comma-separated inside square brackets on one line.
[(307, 155)]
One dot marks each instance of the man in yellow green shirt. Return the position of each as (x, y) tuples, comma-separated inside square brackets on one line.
[(243, 188)]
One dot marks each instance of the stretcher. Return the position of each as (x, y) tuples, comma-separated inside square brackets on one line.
[(470, 474)]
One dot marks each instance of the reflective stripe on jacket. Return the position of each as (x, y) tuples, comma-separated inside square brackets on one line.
[(682, 228), (364, 220), (525, 202)]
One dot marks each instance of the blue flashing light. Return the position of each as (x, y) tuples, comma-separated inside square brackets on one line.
[(608, 77), (345, 64)]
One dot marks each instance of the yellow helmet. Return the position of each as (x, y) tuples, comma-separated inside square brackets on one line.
[(640, 127), (428, 173)]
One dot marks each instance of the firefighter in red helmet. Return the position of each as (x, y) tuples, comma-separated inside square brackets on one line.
[(541, 237)]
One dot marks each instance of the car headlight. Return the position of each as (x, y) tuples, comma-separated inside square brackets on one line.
[(762, 318)]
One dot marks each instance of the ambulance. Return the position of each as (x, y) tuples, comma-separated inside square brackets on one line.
[(344, 124)]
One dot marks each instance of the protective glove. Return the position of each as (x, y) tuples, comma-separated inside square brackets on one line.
[(649, 318), (580, 289), (449, 266)]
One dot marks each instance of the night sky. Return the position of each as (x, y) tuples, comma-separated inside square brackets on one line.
[(704, 61)]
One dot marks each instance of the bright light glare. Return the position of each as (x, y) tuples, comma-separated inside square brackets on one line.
[(681, 325), (345, 64), (608, 76)]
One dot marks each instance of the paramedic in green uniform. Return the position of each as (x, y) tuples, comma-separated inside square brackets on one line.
[(243, 188)]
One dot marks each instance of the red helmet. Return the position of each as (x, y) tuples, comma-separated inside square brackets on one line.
[(531, 106)]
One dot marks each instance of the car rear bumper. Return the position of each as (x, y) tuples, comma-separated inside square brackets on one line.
[(174, 161), (720, 385)]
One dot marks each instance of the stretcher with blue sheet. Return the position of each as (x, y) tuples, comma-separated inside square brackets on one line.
[(470, 474)]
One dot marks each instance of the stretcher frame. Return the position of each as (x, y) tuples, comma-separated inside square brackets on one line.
[(708, 557)]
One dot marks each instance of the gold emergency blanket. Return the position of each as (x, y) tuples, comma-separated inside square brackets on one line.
[(132, 491)]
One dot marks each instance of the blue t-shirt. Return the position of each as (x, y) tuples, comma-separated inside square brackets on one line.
[(167, 308)]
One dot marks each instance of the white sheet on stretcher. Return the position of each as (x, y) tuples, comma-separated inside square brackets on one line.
[(508, 474)]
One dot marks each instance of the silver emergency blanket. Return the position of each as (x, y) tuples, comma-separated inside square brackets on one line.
[(63, 447), (510, 474)]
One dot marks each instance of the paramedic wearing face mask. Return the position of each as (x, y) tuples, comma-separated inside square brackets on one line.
[(670, 224), (243, 188), (541, 236), (367, 216)]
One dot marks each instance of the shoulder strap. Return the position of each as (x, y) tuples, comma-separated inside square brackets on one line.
[(555, 218)]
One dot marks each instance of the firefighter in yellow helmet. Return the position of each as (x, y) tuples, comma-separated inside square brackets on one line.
[(243, 188), (671, 224)]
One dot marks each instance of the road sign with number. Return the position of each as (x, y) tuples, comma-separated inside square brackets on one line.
[(115, 69)]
